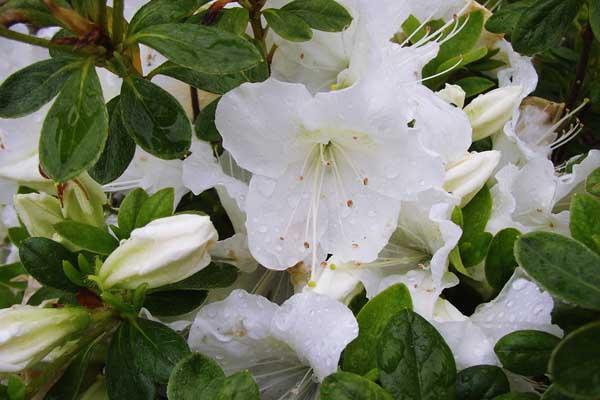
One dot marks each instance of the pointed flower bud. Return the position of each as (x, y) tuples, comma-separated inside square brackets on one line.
[(39, 213), (165, 251), (28, 333), (489, 112), (466, 177), (83, 201), (453, 94)]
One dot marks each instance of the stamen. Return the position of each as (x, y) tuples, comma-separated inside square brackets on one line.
[(347, 158), (564, 119), (408, 39), (436, 75)]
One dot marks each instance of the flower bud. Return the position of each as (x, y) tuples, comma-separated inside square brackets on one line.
[(28, 333), (489, 112), (83, 201), (453, 94), (466, 177), (165, 251), (39, 213)]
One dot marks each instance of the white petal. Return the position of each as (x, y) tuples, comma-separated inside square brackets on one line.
[(317, 327), (468, 343), (571, 182), (453, 94), (235, 251)]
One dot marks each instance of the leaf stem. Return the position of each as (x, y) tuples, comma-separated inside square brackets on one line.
[(117, 31), (36, 41)]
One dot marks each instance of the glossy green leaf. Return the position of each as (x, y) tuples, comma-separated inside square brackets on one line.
[(474, 242), (348, 386), (504, 20), (204, 126), (574, 365), (481, 382), (191, 376), (159, 205), (288, 25), (543, 25), (474, 85), (17, 234), (76, 127), (585, 220), (360, 355), (234, 20), (43, 258), (526, 352), (215, 275), (462, 60), (553, 393), (28, 89), (157, 12), (414, 361), (154, 119), (118, 151), (201, 48), (129, 210), (592, 183), (174, 302), (564, 267), (500, 262), (322, 15), (88, 237), (47, 293), (239, 386), (33, 12)]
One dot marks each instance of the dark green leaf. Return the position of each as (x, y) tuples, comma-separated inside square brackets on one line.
[(595, 17), (10, 271), (129, 210), (118, 151), (348, 386), (17, 234), (481, 382), (154, 119), (123, 379), (474, 242), (234, 20), (414, 361), (159, 205), (553, 393), (191, 376), (543, 25), (500, 263), (215, 275), (174, 302), (42, 258), (239, 386), (526, 352), (34, 12), (475, 85), (360, 355), (585, 220), (201, 48), (592, 183), (205, 123), (505, 19), (517, 396), (322, 15), (47, 293), (28, 89), (564, 267), (87, 237), (288, 25), (76, 127), (8, 296), (157, 12), (574, 364)]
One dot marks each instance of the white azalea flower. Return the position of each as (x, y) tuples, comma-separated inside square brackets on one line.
[(520, 305), (528, 198), (277, 344)]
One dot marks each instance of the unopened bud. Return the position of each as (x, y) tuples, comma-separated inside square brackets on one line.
[(453, 94), (489, 112), (39, 213), (466, 177), (83, 199)]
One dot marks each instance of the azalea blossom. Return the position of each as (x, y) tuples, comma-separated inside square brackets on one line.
[(277, 344)]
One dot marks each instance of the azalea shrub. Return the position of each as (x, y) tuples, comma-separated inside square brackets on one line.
[(300, 199)]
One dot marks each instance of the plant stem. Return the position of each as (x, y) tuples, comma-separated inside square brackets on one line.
[(257, 29), (35, 41), (117, 31), (195, 102)]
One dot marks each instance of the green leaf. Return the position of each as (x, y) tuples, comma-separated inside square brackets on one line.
[(474, 242), (592, 183), (543, 25), (118, 151), (348, 386), (517, 396), (10, 271), (505, 19), (595, 17), (191, 376), (474, 85), (462, 60), (17, 234), (201, 48), (564, 267), (157, 349), (16, 389), (288, 25), (9, 297), (154, 119), (234, 20), (43, 258), (500, 262), (28, 89), (204, 126), (574, 364), (47, 293), (481, 382), (215, 275), (239, 386), (76, 127), (87, 237), (34, 12), (159, 205), (553, 393), (123, 379), (360, 355), (129, 210), (526, 352), (71, 382), (218, 84), (174, 302), (414, 361), (585, 220), (157, 12), (322, 15)]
